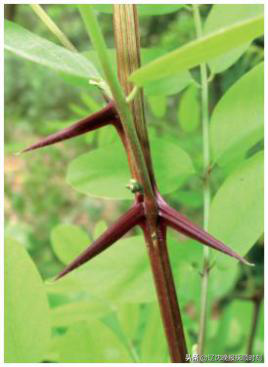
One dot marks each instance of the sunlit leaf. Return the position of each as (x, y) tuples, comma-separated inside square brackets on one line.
[(37, 49), (78, 311), (91, 342), (100, 227), (222, 15), (237, 120), (104, 172), (105, 276), (128, 315), (68, 241), (232, 329), (236, 215), (200, 50), (189, 110), (186, 258), (162, 87), (158, 105), (153, 335), (27, 322)]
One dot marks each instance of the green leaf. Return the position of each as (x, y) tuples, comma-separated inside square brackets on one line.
[(105, 277), (128, 316), (162, 87), (95, 175), (259, 344), (222, 15), (237, 120), (232, 329), (87, 310), (68, 241), (26, 44), (186, 258), (189, 110), (221, 281), (144, 10), (200, 51), (189, 198), (236, 215), (154, 335), (90, 342), (100, 227), (27, 322), (169, 84), (119, 275), (158, 105)]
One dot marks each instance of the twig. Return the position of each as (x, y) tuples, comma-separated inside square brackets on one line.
[(206, 188), (52, 26), (256, 313)]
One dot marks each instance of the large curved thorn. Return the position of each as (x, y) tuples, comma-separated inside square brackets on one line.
[(105, 116), (117, 230), (183, 225)]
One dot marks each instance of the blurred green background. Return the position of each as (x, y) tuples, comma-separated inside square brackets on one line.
[(38, 198)]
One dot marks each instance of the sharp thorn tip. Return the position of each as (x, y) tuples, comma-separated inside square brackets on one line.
[(16, 154)]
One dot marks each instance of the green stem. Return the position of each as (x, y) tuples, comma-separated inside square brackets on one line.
[(206, 188), (52, 26), (98, 42)]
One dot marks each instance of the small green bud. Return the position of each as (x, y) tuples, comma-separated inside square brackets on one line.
[(134, 186)]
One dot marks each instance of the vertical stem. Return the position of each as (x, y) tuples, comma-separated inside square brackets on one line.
[(128, 58), (166, 293), (206, 187), (135, 149), (256, 313)]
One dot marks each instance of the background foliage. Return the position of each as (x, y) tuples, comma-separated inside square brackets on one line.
[(60, 198)]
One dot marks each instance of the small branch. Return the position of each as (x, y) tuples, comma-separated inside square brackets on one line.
[(256, 313), (206, 189), (52, 26)]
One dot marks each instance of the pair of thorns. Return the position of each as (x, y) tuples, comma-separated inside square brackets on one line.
[(136, 215)]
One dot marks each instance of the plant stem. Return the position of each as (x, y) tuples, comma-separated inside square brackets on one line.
[(136, 152), (52, 26), (127, 42), (206, 188), (256, 313), (128, 59)]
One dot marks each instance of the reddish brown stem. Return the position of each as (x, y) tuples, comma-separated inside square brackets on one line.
[(126, 30), (165, 287)]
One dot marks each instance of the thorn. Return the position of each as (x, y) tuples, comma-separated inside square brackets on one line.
[(249, 264), (105, 116), (183, 225), (117, 230)]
